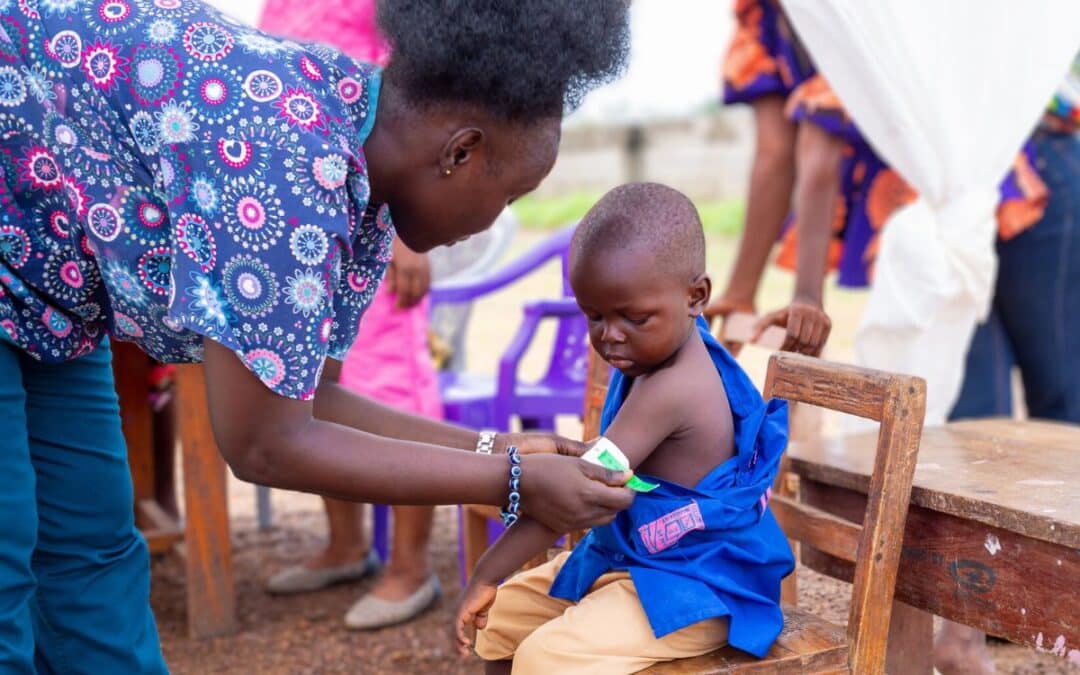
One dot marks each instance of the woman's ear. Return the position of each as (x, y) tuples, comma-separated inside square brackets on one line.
[(698, 294), (460, 148)]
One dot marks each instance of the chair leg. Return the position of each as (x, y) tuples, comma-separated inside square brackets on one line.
[(380, 531), (263, 508)]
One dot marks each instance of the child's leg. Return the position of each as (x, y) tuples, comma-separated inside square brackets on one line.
[(607, 633), (521, 606)]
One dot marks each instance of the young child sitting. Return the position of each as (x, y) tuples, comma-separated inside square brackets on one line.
[(694, 564)]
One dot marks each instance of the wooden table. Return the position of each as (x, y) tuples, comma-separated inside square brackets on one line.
[(993, 532), (211, 598)]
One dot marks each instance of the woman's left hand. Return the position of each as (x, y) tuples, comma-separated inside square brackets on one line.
[(540, 442)]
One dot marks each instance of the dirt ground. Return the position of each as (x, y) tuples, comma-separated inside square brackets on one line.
[(305, 634)]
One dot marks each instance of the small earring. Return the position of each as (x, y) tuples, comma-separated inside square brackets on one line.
[(447, 171)]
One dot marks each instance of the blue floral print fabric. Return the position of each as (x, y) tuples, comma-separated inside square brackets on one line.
[(167, 173)]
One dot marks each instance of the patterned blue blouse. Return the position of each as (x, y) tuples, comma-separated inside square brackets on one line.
[(167, 174)]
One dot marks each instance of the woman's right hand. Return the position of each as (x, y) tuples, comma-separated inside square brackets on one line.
[(806, 323), (568, 493)]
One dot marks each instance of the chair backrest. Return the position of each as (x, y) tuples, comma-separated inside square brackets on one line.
[(898, 403)]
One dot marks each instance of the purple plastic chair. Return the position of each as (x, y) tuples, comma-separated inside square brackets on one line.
[(484, 401)]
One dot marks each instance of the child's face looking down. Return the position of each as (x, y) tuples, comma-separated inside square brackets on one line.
[(639, 314)]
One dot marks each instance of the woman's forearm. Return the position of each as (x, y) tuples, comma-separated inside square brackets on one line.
[(337, 461), (335, 403)]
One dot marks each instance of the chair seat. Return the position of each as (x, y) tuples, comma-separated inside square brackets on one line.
[(808, 644)]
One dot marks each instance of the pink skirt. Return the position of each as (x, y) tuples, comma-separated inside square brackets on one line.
[(390, 361)]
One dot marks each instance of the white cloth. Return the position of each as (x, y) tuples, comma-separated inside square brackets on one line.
[(946, 93)]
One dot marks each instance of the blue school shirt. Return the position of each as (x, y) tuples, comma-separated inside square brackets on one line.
[(168, 174), (712, 550)]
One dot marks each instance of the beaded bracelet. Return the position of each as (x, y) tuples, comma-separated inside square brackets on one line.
[(510, 513)]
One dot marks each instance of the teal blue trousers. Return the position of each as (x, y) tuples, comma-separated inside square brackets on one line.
[(74, 571)]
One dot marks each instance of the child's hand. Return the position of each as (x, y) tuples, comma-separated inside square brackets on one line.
[(473, 607)]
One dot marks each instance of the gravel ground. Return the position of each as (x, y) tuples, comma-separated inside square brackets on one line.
[(305, 634)]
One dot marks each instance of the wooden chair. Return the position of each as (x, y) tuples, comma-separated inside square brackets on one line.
[(808, 643)]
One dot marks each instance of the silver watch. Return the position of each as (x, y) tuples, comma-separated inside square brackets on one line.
[(485, 445)]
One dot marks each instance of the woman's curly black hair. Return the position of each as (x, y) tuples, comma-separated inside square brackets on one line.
[(520, 59)]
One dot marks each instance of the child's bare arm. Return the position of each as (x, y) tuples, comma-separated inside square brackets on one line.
[(653, 410), (520, 544)]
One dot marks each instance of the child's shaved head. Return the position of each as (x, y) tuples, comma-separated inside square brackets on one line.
[(644, 216)]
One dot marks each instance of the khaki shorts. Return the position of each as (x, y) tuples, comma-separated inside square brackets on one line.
[(606, 632)]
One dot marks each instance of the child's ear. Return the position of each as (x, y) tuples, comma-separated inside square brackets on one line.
[(698, 294)]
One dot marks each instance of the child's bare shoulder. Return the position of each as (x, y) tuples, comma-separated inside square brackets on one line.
[(689, 383)]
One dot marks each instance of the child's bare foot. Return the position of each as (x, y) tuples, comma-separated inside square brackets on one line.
[(961, 650)]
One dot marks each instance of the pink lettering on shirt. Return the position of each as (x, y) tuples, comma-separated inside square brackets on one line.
[(668, 529)]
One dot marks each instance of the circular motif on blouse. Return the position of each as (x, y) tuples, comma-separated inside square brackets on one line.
[(299, 108), (103, 65), (60, 224), (358, 282), (207, 41), (145, 132), (214, 90), (161, 31), (250, 212), (262, 86), (15, 245), (65, 135), (126, 325), (330, 171), (58, 324), (176, 123), (114, 11), (156, 74), (104, 221), (123, 284), (349, 90), (205, 194), (155, 267), (12, 87), (267, 365), (235, 154), (40, 169), (306, 292), (71, 275), (309, 244), (325, 328), (66, 47), (250, 286), (253, 216), (193, 234)]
